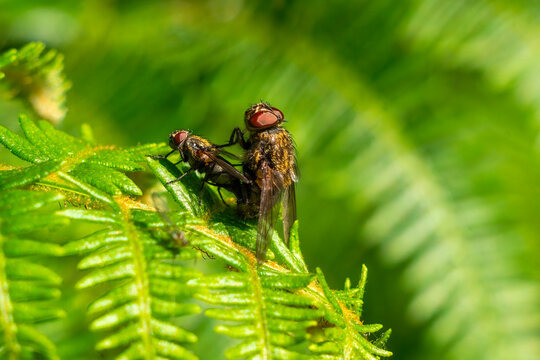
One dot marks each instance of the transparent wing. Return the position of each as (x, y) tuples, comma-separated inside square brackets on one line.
[(289, 211), (227, 166), (229, 154), (267, 215)]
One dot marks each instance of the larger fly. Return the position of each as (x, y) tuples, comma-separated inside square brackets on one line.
[(270, 163)]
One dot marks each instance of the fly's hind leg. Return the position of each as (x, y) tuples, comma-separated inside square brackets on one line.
[(218, 190), (204, 181), (221, 196)]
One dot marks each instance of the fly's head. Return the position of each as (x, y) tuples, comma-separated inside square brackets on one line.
[(262, 116)]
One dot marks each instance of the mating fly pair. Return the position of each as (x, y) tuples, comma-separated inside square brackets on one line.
[(269, 169)]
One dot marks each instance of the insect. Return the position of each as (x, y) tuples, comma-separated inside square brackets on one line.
[(177, 236), (270, 163), (206, 158)]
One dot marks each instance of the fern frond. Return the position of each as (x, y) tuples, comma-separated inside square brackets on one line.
[(347, 339), (54, 152), (36, 77), (26, 287), (414, 216), (274, 306), (150, 286), (27, 175), (269, 318), (135, 314)]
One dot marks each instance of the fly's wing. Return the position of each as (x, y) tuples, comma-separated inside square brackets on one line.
[(289, 211), (227, 166), (289, 201), (229, 154), (267, 216), (160, 203)]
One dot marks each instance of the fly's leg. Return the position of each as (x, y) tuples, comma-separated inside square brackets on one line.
[(158, 157), (204, 181), (218, 188), (237, 137), (180, 177), (221, 196)]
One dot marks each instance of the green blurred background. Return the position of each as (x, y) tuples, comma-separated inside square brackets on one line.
[(417, 129)]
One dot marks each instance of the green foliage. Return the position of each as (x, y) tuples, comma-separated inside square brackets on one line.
[(37, 77), (77, 160), (150, 287), (273, 307), (27, 289), (416, 124), (279, 310), (348, 339)]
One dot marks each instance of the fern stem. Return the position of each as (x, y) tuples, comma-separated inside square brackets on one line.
[(142, 283), (8, 326), (262, 324)]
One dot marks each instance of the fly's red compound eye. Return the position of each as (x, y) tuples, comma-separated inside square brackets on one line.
[(278, 112), (263, 119), (179, 136)]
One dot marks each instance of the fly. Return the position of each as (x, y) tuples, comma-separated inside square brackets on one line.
[(270, 162), (205, 157)]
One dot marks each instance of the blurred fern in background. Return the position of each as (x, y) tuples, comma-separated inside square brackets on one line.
[(416, 124)]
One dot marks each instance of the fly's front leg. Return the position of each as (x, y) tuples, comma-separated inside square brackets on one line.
[(204, 181), (237, 137), (158, 157)]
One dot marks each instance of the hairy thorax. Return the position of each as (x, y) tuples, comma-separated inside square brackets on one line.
[(274, 148)]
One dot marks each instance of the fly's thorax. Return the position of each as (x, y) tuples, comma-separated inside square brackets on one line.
[(197, 142), (193, 151), (276, 148)]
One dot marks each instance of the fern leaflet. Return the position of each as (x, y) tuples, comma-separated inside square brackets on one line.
[(27, 288)]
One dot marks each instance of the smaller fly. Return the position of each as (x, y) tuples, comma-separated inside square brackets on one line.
[(270, 162), (206, 158)]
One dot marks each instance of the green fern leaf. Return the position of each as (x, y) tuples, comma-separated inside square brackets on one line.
[(38, 78), (274, 306), (27, 288), (150, 286), (53, 151), (27, 175), (388, 159), (347, 339)]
